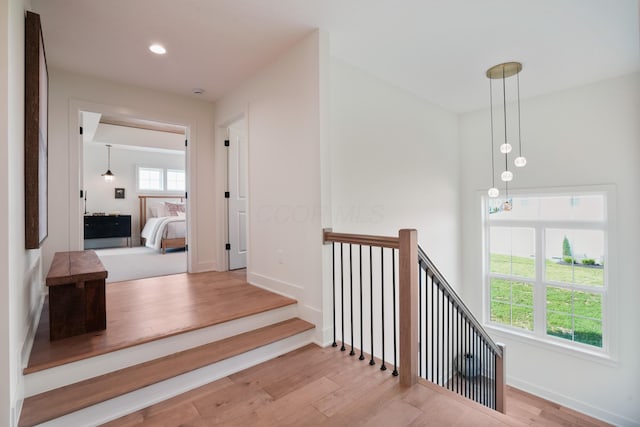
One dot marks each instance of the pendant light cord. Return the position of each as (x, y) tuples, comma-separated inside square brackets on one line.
[(519, 137), (504, 107), (493, 169)]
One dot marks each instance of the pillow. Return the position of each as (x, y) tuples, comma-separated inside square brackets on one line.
[(174, 208), (182, 215), (158, 210)]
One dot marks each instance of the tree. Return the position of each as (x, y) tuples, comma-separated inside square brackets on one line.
[(566, 248)]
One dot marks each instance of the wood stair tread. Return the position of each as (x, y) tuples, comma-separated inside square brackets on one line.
[(58, 402)]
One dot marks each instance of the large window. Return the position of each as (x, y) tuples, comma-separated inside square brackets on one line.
[(546, 266), (160, 179)]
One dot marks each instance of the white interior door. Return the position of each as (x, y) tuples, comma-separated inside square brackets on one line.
[(238, 175)]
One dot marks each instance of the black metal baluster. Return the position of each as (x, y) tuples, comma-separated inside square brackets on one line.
[(438, 334), (395, 340), (447, 365), (480, 371), (468, 377), (342, 292), (473, 361), (444, 338), (474, 339), (433, 289), (484, 372), (371, 362), (459, 364), (361, 315), (333, 265), (419, 317), (351, 353), (495, 376), (383, 367), (483, 377)]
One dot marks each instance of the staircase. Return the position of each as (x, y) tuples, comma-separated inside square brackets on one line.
[(390, 299), (94, 390)]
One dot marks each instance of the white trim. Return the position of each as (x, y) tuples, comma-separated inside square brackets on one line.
[(551, 343), (539, 334), (60, 376), (127, 403), (305, 312), (75, 153), (572, 403)]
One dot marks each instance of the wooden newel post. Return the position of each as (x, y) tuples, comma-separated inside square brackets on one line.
[(408, 306), (501, 381)]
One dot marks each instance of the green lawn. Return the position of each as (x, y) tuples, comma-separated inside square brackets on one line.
[(574, 315), (565, 273)]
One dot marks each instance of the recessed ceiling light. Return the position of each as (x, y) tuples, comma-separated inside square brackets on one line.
[(157, 49)]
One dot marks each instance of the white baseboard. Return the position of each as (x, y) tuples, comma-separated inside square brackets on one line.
[(201, 267), (275, 285), (49, 379), (33, 322), (305, 312), (134, 401), (572, 403)]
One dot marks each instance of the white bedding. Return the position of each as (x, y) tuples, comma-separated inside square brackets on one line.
[(168, 227)]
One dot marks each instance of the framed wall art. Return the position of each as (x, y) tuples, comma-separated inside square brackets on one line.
[(36, 111)]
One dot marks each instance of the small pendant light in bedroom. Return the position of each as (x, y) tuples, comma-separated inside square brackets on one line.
[(108, 175)]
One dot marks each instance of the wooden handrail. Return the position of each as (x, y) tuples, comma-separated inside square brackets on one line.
[(360, 239)]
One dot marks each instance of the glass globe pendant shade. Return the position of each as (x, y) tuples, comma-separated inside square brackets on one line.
[(520, 162), (506, 176), (505, 148), (493, 192)]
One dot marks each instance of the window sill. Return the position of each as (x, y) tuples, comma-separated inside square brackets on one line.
[(552, 345)]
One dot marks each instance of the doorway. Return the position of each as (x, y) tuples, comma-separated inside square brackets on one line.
[(237, 194), (134, 215)]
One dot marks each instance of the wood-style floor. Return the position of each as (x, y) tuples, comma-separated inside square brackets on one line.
[(313, 386), (140, 311)]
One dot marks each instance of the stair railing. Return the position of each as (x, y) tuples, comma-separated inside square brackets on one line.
[(388, 284)]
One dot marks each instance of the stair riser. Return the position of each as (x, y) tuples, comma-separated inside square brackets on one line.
[(49, 379), (134, 401)]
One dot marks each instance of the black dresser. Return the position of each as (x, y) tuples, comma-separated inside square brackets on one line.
[(107, 226)]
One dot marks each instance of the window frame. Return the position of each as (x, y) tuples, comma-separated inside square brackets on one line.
[(164, 177), (184, 174), (540, 283)]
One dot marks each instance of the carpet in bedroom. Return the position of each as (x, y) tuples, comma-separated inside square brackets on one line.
[(140, 262)]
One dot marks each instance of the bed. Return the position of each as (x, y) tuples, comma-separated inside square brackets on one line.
[(162, 222)]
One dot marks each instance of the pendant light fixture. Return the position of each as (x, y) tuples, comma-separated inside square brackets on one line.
[(108, 175), (502, 72)]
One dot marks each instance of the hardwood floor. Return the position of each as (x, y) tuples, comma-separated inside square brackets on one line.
[(140, 311), (56, 403), (313, 386)]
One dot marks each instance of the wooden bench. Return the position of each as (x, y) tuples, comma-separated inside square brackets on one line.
[(76, 283)]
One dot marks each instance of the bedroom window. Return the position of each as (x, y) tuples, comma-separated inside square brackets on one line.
[(160, 180), (150, 179), (546, 266), (175, 180)]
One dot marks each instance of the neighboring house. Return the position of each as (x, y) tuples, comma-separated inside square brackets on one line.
[(332, 146)]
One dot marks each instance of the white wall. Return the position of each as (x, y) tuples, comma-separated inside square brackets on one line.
[(20, 279), (69, 92), (584, 136), (100, 193), (394, 162), (282, 108)]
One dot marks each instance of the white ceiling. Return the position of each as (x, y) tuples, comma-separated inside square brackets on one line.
[(436, 49)]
